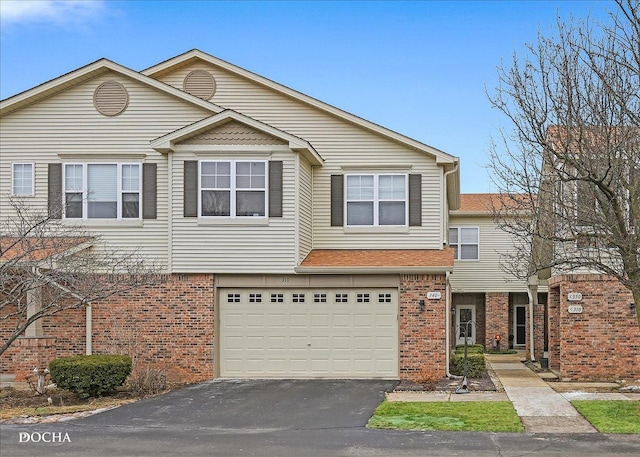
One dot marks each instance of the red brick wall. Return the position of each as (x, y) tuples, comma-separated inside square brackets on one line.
[(422, 334), (603, 342), (553, 322), (481, 318), (497, 318), (168, 326)]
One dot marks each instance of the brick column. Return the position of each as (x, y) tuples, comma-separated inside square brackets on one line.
[(30, 353), (497, 318), (422, 333)]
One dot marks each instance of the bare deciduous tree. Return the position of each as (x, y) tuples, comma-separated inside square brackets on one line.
[(47, 267), (569, 171)]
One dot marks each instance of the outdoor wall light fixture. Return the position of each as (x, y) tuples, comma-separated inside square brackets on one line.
[(632, 307), (421, 304)]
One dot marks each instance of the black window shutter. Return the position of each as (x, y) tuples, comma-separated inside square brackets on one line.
[(55, 190), (415, 200), (337, 200), (149, 191), (275, 188), (190, 188)]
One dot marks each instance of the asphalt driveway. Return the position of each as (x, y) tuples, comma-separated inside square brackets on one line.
[(241, 405), (301, 418)]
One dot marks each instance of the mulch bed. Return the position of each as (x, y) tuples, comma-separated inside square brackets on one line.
[(18, 398), (482, 384)]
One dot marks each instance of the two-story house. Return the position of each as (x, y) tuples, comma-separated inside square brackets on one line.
[(295, 239), (298, 240)]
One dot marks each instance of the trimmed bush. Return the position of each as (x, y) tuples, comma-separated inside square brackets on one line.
[(476, 365), (471, 349), (90, 375)]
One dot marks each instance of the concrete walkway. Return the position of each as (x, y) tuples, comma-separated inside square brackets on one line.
[(541, 409)]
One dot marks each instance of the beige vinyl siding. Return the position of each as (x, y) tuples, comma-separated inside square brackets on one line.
[(338, 142), (484, 275), (66, 127), (305, 209), (202, 245)]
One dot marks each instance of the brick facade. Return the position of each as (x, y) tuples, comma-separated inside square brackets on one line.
[(497, 318), (603, 342), (168, 326), (422, 333)]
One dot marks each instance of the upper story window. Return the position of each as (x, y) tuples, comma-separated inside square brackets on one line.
[(376, 200), (102, 190), (465, 242), (233, 188), (22, 179)]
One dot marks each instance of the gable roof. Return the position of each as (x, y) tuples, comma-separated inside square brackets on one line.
[(196, 55), (88, 72), (167, 143), (486, 204), (378, 260)]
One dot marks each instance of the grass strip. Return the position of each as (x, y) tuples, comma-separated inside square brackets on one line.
[(449, 416), (611, 416)]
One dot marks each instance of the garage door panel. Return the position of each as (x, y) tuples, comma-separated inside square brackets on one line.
[(308, 333)]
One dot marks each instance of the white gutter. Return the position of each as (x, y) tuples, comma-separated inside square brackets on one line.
[(447, 325), (445, 241), (371, 270), (445, 211), (170, 213), (88, 329)]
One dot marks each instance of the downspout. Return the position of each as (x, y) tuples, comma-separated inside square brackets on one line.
[(445, 208), (87, 307), (447, 299), (532, 291), (88, 329), (447, 329)]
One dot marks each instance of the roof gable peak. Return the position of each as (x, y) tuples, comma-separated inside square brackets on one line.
[(194, 55)]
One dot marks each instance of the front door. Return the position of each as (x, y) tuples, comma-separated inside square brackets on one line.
[(466, 324), (520, 325)]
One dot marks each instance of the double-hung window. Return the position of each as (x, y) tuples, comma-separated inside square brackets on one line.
[(233, 188), (22, 179), (102, 190), (465, 242), (376, 200)]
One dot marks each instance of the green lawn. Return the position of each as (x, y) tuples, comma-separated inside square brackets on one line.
[(455, 416), (609, 416)]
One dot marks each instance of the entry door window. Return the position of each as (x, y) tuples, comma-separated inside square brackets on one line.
[(465, 324), (520, 325)]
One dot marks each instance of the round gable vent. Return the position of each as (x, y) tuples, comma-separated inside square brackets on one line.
[(110, 98), (200, 83)]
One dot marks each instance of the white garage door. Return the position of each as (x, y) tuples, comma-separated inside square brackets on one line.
[(331, 333)]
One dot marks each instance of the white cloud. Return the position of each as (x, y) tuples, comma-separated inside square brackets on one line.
[(57, 12)]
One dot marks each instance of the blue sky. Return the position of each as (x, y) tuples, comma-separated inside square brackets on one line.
[(417, 67)]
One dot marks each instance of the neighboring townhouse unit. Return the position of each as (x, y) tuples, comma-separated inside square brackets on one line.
[(483, 291), (297, 240)]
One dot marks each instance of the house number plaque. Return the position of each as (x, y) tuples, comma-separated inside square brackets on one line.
[(575, 309), (434, 295), (574, 296)]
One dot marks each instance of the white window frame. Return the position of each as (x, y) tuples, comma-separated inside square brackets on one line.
[(458, 250), (13, 180), (376, 199), (233, 189), (85, 196)]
